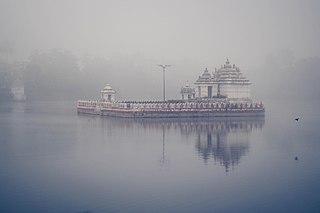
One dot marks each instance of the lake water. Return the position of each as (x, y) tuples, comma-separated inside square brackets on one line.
[(53, 160)]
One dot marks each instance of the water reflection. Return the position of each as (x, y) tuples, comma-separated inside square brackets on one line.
[(224, 140), (55, 160), (13, 107), (163, 159)]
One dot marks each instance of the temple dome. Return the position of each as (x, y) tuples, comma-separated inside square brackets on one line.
[(230, 74), (108, 89), (187, 89)]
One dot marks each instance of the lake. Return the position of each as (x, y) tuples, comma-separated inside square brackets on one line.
[(54, 160)]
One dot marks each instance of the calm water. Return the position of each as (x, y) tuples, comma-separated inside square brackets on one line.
[(53, 160)]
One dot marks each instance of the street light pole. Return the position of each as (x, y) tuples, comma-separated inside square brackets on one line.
[(164, 78)]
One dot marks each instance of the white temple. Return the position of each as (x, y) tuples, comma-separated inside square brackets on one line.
[(187, 92), (224, 93), (227, 82), (108, 94)]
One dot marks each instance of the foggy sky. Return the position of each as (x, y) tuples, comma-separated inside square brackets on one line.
[(203, 31)]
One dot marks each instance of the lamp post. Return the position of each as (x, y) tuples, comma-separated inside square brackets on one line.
[(164, 78)]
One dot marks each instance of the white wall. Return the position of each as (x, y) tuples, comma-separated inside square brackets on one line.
[(235, 91)]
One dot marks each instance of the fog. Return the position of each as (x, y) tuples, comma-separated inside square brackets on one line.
[(71, 49)]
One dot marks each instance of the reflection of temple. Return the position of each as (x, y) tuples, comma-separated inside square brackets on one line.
[(226, 147), (17, 90), (224, 140)]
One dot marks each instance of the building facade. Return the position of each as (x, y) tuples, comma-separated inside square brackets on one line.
[(228, 81)]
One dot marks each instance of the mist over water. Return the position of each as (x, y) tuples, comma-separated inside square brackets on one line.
[(57, 161), (53, 160)]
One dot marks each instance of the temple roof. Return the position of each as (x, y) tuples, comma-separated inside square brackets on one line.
[(230, 74), (206, 77)]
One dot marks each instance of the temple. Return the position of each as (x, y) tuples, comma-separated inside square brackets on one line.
[(224, 93), (228, 82)]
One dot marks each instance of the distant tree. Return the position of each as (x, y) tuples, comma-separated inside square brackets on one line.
[(6, 49), (52, 75), (5, 81)]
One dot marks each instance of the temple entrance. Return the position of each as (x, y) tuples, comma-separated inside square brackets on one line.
[(209, 91)]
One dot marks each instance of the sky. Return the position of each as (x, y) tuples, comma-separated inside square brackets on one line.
[(206, 32)]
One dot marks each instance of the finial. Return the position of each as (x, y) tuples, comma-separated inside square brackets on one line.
[(227, 61)]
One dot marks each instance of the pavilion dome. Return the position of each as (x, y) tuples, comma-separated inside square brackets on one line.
[(187, 89), (108, 89)]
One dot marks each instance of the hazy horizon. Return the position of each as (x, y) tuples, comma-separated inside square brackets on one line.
[(203, 31), (128, 38)]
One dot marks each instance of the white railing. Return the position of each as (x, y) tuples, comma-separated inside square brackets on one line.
[(152, 106)]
